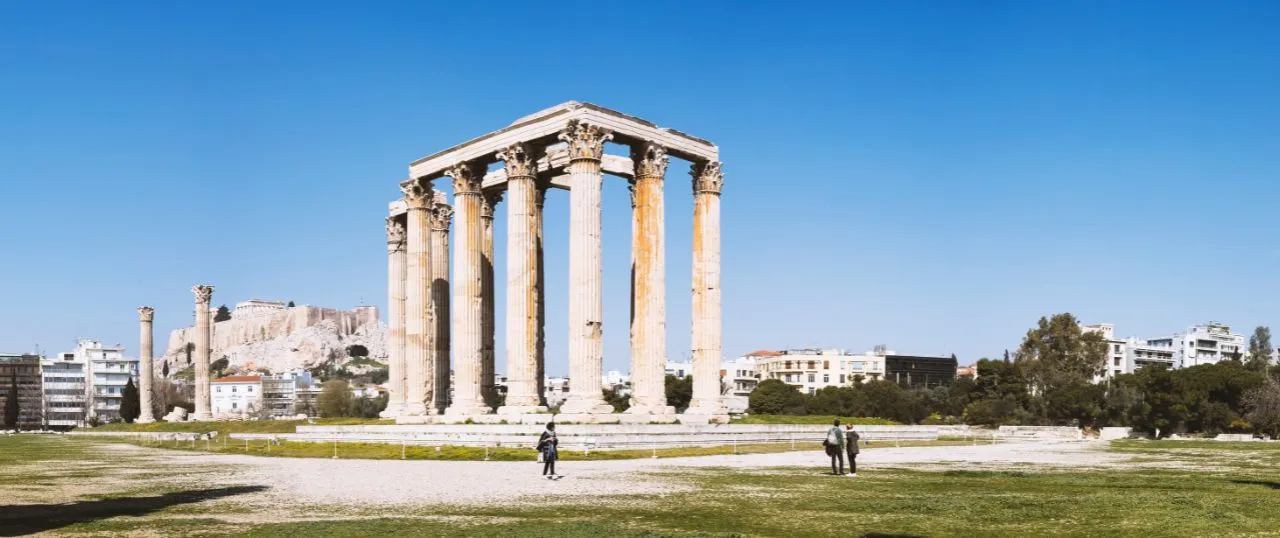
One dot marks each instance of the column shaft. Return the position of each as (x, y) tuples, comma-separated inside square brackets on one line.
[(417, 321), (586, 368), (467, 307), (522, 281), (707, 181), (442, 216), (396, 274), (146, 349), (540, 296), (204, 334), (488, 392), (649, 307)]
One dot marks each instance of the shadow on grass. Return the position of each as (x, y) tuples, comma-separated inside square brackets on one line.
[(18, 520), (1272, 485)]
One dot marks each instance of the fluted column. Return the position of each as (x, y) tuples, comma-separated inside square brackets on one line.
[(146, 347), (467, 305), (204, 334), (707, 181), (540, 296), (418, 343), (586, 147), (649, 306), (441, 218), (396, 273), (488, 203), (521, 166)]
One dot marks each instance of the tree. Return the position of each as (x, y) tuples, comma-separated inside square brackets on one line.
[(223, 314), (1259, 357), (773, 397), (190, 348), (130, 407), (679, 391), (620, 402), (334, 399), (11, 405), (1058, 353), (1263, 408), (290, 305), (218, 367), (367, 407), (165, 371), (357, 350)]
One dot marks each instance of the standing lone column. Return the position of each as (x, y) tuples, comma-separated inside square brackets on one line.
[(441, 217), (586, 354), (540, 296), (146, 346), (204, 334), (707, 181), (467, 305), (488, 393), (521, 165), (396, 272), (649, 284), (417, 340)]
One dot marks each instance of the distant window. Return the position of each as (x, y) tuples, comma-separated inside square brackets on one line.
[(217, 389), (233, 404), (1117, 361), (233, 388), (826, 365), (826, 378), (250, 389), (841, 379), (811, 376), (788, 366), (813, 365), (811, 391)]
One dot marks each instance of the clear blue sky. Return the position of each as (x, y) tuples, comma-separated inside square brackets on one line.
[(931, 176)]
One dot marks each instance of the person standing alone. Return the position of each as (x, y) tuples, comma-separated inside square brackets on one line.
[(851, 447), (834, 443), (547, 445)]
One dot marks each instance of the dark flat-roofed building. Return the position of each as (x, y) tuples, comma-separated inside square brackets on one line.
[(913, 371), (24, 370)]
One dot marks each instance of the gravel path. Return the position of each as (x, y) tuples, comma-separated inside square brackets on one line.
[(382, 482)]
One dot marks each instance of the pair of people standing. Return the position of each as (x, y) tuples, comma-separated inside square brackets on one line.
[(839, 443), (547, 445)]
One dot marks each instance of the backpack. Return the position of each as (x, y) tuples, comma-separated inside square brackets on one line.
[(832, 440)]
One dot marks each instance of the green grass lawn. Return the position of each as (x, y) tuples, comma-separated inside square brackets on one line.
[(1219, 500), (236, 426)]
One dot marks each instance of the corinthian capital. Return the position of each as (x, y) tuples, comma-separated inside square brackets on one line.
[(520, 160), (650, 160), (203, 293), (417, 193), (466, 178), (146, 313), (488, 203), (395, 234), (707, 177), (441, 216), (586, 141)]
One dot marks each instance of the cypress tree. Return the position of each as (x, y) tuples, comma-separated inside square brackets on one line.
[(130, 407)]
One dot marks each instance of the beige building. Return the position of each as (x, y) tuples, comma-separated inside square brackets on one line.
[(811, 369)]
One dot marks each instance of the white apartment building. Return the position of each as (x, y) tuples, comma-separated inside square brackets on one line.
[(236, 396), (108, 371), (65, 390), (280, 392), (1201, 344), (811, 369)]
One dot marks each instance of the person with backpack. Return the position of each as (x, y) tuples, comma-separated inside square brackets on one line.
[(547, 446), (851, 447), (834, 443)]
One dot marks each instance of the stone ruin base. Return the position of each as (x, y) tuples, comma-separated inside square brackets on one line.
[(567, 418)]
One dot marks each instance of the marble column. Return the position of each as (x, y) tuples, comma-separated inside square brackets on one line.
[(521, 163), (146, 348), (441, 218), (467, 307), (488, 392), (586, 368), (418, 344), (539, 296), (707, 180), (204, 334), (396, 273), (649, 283)]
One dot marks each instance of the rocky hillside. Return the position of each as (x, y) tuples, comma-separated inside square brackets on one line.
[(281, 339)]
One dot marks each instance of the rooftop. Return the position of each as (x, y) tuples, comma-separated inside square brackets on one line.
[(239, 379)]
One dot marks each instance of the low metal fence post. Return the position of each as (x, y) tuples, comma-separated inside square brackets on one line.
[(335, 449), (402, 445)]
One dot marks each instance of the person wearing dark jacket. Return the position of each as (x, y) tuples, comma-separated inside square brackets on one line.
[(547, 445), (851, 448), (834, 443)]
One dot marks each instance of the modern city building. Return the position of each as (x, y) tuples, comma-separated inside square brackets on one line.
[(237, 396), (22, 371), (923, 372), (280, 393), (108, 371), (65, 391), (811, 369), (1201, 344)]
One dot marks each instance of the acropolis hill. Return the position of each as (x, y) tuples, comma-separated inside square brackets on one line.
[(268, 334)]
